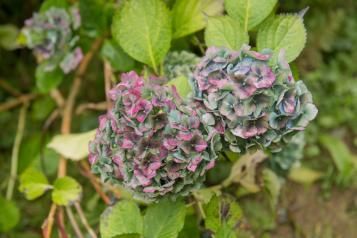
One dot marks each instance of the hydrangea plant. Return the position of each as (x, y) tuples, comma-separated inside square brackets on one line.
[(180, 63), (51, 36), (258, 101), (152, 142), (282, 161)]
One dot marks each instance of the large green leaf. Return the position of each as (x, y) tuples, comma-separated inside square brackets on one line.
[(164, 219), (118, 59), (191, 227), (9, 215), (283, 32), (272, 186), (189, 16), (47, 80), (220, 211), (66, 191), (8, 35), (33, 183), (94, 16), (345, 161), (225, 231), (72, 146), (249, 12), (143, 29), (304, 175), (46, 5), (121, 220), (225, 32)]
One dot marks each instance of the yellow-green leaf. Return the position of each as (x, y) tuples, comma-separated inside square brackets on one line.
[(72, 146), (225, 32), (123, 218), (284, 32), (33, 183), (66, 191), (249, 12), (189, 16), (182, 85), (143, 29), (304, 175)]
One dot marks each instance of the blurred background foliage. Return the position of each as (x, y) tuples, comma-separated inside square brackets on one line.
[(327, 208)]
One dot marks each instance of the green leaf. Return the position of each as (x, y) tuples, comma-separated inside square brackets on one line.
[(191, 228), (9, 215), (225, 231), (225, 32), (72, 146), (66, 191), (47, 80), (123, 220), (344, 160), (33, 183), (258, 215), (46, 5), (304, 175), (221, 211), (272, 186), (118, 59), (143, 29), (164, 219), (283, 32), (189, 16), (249, 12), (42, 108), (8, 36), (93, 16), (182, 86)]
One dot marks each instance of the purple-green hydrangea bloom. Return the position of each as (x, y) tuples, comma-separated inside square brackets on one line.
[(51, 36), (152, 142), (260, 104)]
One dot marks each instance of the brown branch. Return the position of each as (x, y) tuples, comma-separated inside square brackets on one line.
[(17, 101), (48, 223), (68, 108), (66, 122), (57, 96), (60, 224), (84, 220), (93, 179), (74, 223), (100, 106), (6, 86), (108, 74)]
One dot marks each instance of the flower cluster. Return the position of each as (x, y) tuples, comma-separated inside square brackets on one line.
[(152, 142), (282, 161), (51, 36), (178, 64), (261, 105)]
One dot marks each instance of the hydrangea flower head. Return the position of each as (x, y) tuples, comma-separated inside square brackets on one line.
[(260, 104), (152, 142), (51, 36)]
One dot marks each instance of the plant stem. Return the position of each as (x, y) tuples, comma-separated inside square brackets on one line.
[(74, 223), (66, 122), (108, 74), (84, 220), (6, 86), (92, 178), (99, 106), (17, 101), (15, 151)]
